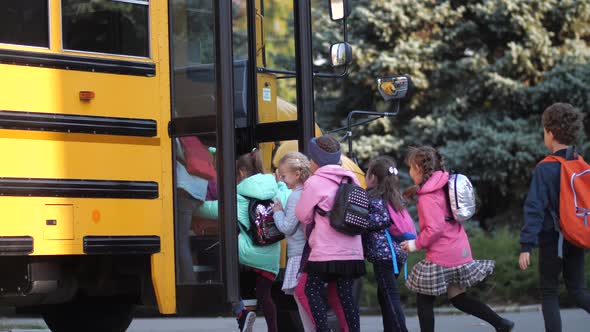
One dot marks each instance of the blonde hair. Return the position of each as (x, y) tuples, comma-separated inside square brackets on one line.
[(297, 161)]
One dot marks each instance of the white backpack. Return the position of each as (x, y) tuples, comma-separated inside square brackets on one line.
[(461, 197)]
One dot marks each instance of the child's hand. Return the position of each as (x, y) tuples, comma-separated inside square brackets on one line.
[(278, 206), (408, 246), (524, 260)]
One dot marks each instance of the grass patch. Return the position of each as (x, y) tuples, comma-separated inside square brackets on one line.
[(507, 286)]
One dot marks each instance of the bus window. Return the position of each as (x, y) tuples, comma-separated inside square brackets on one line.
[(24, 22), (240, 53), (193, 58), (106, 26)]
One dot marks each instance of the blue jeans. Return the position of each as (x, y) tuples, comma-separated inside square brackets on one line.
[(394, 319)]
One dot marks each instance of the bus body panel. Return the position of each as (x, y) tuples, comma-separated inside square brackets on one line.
[(58, 225), (48, 90)]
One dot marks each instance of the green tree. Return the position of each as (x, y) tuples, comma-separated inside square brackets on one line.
[(484, 71)]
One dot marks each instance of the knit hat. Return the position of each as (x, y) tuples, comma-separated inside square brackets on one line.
[(322, 157)]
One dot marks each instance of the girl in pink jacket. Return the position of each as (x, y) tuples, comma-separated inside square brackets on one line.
[(448, 267), (334, 257)]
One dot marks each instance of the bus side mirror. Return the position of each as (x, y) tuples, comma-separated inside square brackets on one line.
[(339, 9), (341, 54), (396, 87)]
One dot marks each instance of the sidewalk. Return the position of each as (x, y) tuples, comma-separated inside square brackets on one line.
[(454, 311)]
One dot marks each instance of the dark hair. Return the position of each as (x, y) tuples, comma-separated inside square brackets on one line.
[(250, 163), (387, 181), (328, 143), (563, 121), (428, 160)]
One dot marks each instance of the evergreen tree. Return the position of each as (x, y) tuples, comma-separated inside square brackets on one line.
[(484, 71)]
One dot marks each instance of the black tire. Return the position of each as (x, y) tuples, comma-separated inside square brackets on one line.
[(90, 314)]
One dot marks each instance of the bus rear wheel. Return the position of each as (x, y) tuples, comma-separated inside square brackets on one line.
[(90, 314)]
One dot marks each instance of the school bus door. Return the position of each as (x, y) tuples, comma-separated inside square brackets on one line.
[(202, 132)]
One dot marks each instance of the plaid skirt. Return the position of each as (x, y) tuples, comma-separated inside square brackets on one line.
[(291, 275), (432, 279)]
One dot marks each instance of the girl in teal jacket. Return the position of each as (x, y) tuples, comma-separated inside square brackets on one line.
[(260, 262)]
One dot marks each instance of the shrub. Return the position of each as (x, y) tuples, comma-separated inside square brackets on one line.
[(507, 286)]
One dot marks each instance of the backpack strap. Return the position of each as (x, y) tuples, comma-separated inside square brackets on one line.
[(571, 153), (393, 255), (346, 179), (448, 204), (321, 212), (558, 230), (552, 210), (406, 270)]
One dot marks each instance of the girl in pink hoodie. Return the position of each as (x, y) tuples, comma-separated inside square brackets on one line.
[(334, 257), (448, 267)]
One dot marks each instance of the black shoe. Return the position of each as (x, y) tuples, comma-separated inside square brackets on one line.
[(505, 326), (246, 320)]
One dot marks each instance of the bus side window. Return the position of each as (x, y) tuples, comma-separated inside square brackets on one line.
[(24, 22), (106, 27)]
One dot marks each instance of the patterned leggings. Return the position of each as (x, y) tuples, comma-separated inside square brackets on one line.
[(314, 289)]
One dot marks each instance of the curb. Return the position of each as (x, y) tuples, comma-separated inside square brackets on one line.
[(453, 311)]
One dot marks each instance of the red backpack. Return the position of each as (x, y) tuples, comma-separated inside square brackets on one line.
[(198, 159), (574, 200)]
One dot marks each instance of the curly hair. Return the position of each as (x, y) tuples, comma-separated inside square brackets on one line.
[(564, 122), (297, 161), (428, 160), (328, 143)]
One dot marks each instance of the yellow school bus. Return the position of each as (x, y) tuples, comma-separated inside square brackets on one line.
[(104, 106)]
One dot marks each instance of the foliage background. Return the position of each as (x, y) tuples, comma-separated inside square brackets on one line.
[(484, 71)]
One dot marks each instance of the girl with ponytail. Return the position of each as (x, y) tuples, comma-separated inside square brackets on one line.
[(386, 206), (259, 265), (448, 267)]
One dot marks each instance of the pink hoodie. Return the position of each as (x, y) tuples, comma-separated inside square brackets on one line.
[(446, 243), (326, 243)]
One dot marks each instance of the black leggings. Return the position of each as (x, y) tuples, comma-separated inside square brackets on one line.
[(253, 283), (263, 294), (462, 302), (315, 291)]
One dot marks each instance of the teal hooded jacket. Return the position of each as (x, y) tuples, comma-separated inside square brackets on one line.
[(259, 186)]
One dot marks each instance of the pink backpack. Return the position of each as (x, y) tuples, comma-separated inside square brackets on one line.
[(402, 227)]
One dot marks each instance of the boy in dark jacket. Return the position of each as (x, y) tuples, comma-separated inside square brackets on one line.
[(561, 126)]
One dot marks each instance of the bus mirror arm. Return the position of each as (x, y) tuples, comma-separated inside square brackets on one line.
[(344, 73), (350, 125), (291, 73)]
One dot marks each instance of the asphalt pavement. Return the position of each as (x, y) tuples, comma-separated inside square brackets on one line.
[(574, 320)]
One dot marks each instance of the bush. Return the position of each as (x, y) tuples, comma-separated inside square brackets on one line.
[(507, 286)]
